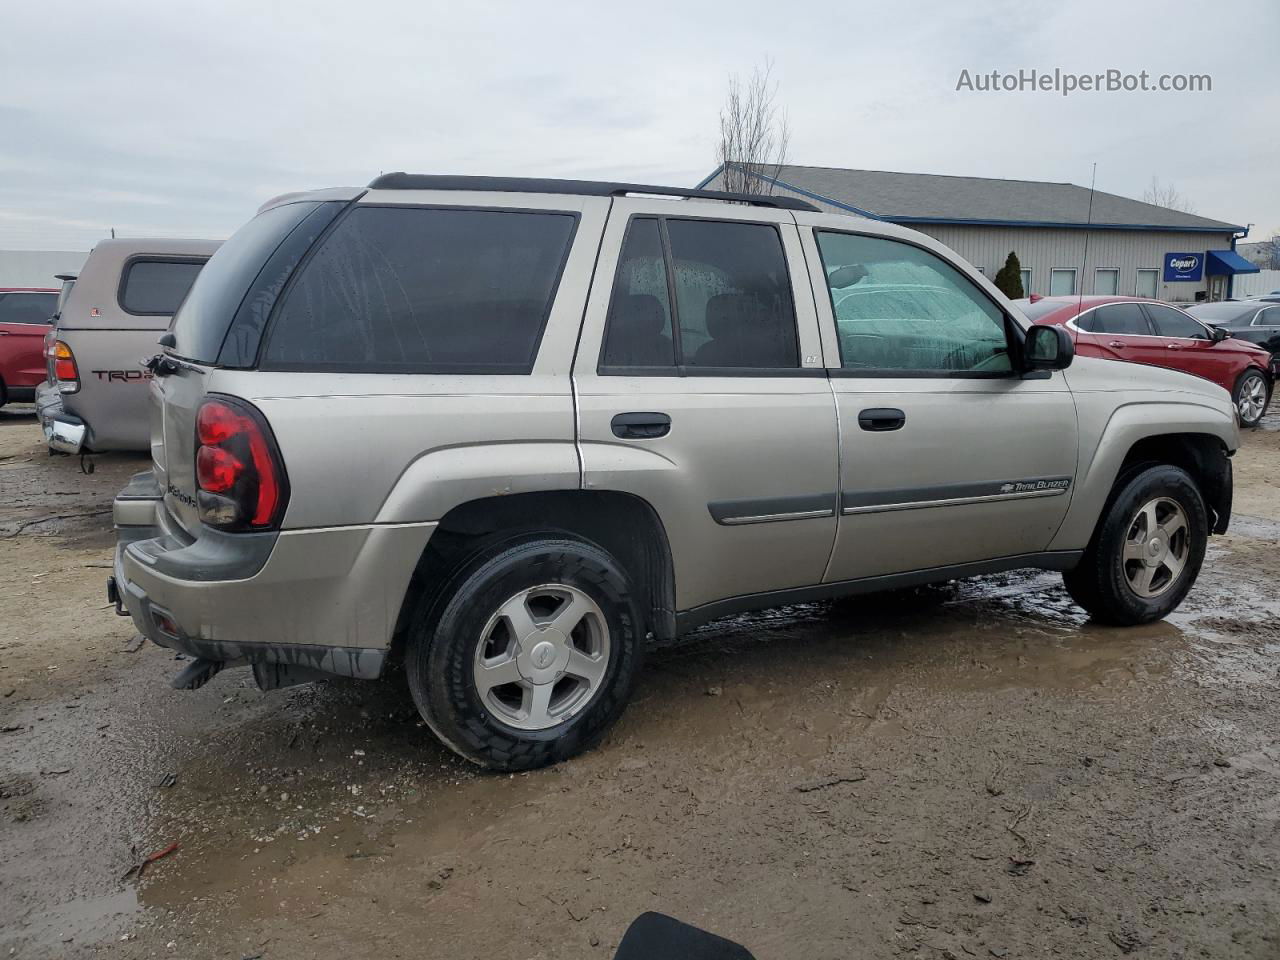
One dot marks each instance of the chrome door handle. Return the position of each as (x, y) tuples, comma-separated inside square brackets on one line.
[(1172, 346), (1116, 344)]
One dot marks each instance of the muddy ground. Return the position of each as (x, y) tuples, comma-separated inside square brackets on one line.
[(971, 771)]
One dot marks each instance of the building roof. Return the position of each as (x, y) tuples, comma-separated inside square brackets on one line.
[(936, 198)]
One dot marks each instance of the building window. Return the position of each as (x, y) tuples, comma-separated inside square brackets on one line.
[(1062, 283), (1026, 283), (1106, 281), (1146, 284)]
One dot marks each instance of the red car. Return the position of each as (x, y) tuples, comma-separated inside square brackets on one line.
[(1148, 331), (25, 317)]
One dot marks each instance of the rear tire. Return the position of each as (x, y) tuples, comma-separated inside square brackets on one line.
[(1147, 550), (1250, 397), (513, 692)]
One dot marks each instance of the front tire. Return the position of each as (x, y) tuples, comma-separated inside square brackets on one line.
[(1146, 552), (530, 654), (1250, 397)]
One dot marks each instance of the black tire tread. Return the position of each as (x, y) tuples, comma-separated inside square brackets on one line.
[(442, 695), (1095, 585)]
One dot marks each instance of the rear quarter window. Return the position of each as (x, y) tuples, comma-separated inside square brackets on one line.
[(423, 290), (202, 323), (155, 286)]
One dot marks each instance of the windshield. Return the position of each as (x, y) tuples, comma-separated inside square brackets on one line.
[(1220, 312), (1039, 309)]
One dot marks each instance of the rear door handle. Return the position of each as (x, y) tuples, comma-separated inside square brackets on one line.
[(1116, 344), (641, 426), (880, 419), (1172, 346)]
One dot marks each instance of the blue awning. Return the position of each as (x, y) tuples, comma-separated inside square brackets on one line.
[(1226, 263)]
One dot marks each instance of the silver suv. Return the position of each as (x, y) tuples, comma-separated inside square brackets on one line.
[(508, 431)]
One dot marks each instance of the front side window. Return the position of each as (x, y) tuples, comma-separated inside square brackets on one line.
[(733, 304), (27, 307), (1173, 323), (1123, 318), (424, 290), (155, 287), (898, 307)]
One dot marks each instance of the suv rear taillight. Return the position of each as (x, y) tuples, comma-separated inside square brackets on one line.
[(62, 366), (240, 479)]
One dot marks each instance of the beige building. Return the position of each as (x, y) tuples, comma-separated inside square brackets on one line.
[(1133, 248)]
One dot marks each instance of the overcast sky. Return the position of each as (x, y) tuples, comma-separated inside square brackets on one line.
[(178, 119)]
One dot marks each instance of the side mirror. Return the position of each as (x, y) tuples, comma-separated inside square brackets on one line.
[(842, 277), (1218, 334), (1047, 347)]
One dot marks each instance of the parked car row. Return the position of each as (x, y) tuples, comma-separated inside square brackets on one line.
[(506, 431), (1155, 333)]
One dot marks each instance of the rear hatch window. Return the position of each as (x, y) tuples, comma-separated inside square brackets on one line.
[(201, 325)]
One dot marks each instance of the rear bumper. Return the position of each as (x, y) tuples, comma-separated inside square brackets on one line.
[(62, 431), (325, 600)]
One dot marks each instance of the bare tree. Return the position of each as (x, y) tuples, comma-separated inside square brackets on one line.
[(1268, 255), (1163, 195), (753, 134)]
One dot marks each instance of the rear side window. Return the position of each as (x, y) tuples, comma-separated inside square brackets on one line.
[(733, 302), (1123, 318), (1269, 317), (27, 307), (1171, 323), (154, 287), (733, 295), (424, 290), (638, 333)]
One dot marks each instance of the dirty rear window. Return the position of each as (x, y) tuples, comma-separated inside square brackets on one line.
[(424, 290)]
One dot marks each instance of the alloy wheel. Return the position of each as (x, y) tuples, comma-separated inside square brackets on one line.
[(1156, 547), (542, 656), (1253, 398)]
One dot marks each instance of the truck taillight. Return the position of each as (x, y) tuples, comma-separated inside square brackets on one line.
[(64, 367), (240, 478)]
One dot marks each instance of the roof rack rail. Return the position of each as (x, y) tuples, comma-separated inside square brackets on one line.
[(582, 188)]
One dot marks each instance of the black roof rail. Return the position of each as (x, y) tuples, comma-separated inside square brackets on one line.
[(582, 188)]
